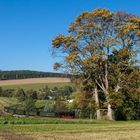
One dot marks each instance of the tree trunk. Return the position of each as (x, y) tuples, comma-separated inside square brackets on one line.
[(98, 113), (109, 109), (91, 116), (109, 112)]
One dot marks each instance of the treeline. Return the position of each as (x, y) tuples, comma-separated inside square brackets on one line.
[(23, 74)]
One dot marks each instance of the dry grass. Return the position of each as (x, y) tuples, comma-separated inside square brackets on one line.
[(34, 81)]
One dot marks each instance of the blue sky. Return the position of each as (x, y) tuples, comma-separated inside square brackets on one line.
[(28, 26)]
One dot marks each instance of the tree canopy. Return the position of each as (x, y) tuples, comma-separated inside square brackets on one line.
[(102, 49)]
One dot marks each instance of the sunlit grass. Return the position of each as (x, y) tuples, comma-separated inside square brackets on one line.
[(96, 130)]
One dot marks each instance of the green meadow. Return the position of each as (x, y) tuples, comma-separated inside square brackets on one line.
[(57, 129)]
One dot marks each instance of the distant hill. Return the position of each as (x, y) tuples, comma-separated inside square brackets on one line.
[(24, 74)]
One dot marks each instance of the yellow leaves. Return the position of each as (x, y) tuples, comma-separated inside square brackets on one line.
[(102, 13), (135, 20), (91, 26), (58, 41), (72, 57), (73, 54), (79, 35), (89, 16), (127, 29), (94, 33), (90, 62), (124, 54), (83, 16), (133, 25), (61, 40), (84, 63), (138, 32), (72, 27), (88, 25)]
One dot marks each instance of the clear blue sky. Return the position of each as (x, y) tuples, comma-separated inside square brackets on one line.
[(28, 26)]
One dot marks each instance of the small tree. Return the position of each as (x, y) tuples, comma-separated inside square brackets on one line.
[(29, 105), (66, 91), (20, 95)]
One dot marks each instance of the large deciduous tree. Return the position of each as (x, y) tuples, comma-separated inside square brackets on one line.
[(100, 47)]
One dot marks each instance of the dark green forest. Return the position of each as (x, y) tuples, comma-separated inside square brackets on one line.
[(23, 74)]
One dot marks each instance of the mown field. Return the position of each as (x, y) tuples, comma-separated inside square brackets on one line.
[(33, 83), (56, 129)]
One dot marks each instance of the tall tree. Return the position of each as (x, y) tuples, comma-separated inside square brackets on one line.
[(89, 49)]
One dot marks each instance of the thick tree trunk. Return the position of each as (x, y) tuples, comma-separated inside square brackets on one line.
[(104, 85), (98, 113), (109, 112), (109, 109)]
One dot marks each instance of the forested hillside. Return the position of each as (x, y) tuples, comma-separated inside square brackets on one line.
[(23, 74)]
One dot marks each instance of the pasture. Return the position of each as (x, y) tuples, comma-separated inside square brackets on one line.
[(57, 129)]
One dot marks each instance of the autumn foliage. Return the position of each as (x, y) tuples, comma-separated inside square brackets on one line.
[(102, 48)]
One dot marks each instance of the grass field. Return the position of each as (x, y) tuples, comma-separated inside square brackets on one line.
[(55, 129)]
